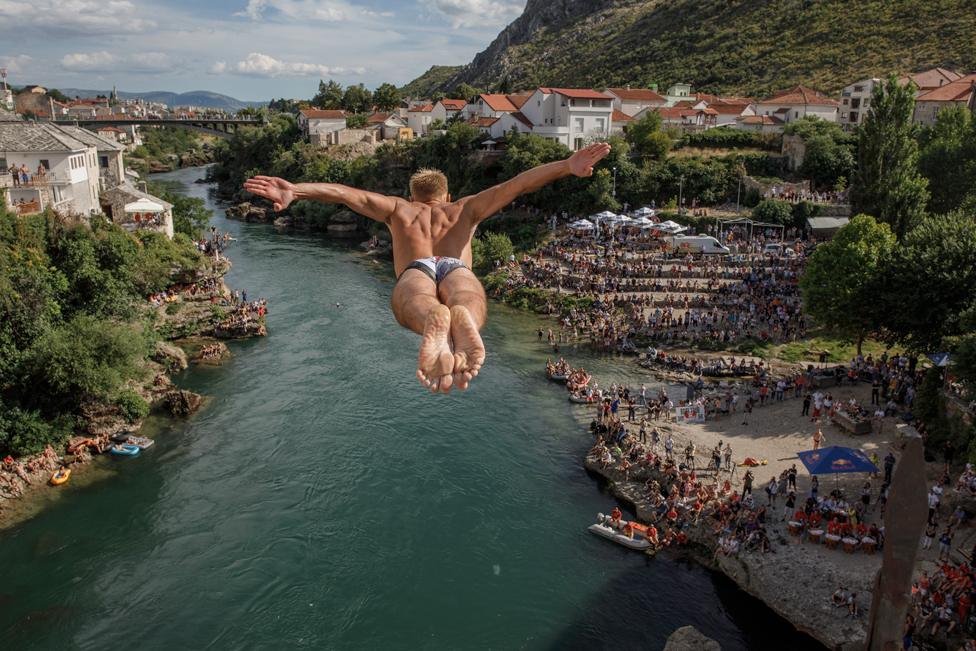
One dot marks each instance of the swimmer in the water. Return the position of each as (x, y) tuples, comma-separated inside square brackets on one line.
[(436, 294)]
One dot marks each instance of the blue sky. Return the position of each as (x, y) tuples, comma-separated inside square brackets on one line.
[(250, 49)]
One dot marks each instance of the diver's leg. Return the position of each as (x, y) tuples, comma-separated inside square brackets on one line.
[(416, 307)]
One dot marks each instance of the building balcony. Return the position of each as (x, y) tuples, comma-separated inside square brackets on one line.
[(36, 180)]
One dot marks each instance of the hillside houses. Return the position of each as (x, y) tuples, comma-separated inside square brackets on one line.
[(798, 102), (74, 172), (961, 92), (321, 126)]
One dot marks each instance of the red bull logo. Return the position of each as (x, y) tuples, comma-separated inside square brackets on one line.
[(840, 464)]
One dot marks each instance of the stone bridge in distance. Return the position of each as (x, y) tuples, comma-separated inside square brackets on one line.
[(222, 127)]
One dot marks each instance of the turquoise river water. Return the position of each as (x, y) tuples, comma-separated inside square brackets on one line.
[(323, 500)]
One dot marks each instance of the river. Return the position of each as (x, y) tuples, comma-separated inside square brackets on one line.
[(323, 500)]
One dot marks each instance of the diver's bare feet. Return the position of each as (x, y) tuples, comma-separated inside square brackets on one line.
[(436, 361), (469, 350)]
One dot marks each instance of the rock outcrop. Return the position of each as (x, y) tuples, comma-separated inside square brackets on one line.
[(344, 223), (689, 638), (171, 357), (249, 212), (181, 402)]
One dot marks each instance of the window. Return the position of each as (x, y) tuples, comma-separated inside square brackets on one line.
[(867, 102), (3, 164), (858, 89), (578, 125), (45, 163), (845, 101), (601, 125), (856, 103), (578, 144), (796, 114), (103, 161), (853, 116)]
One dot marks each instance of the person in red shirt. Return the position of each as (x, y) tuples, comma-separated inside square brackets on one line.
[(615, 516), (964, 605)]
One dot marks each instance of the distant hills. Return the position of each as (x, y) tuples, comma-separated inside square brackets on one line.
[(203, 98), (749, 47)]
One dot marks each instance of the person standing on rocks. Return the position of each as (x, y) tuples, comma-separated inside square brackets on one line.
[(436, 294)]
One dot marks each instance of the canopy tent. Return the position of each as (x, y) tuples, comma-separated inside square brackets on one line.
[(940, 359), (604, 216), (624, 219), (644, 222), (836, 459), (143, 205), (581, 225), (671, 227), (644, 212)]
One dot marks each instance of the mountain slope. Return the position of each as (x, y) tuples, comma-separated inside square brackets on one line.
[(746, 46), (204, 98)]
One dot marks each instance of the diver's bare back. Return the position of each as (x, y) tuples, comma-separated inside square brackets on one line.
[(421, 230)]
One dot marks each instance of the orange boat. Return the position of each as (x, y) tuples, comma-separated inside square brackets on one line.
[(60, 477)]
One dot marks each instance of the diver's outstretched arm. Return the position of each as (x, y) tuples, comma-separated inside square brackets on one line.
[(281, 193), (486, 203)]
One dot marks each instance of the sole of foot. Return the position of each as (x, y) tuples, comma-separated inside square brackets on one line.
[(469, 349), (435, 363)]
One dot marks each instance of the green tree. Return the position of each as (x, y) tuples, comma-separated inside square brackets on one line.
[(357, 99), (386, 97), (466, 92), (330, 95), (647, 137), (963, 347), (492, 248), (842, 278), (931, 281), (826, 161), (948, 159), (773, 211), (887, 183), (190, 214)]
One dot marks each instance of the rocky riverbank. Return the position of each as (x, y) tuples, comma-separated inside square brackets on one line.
[(190, 323), (795, 579)]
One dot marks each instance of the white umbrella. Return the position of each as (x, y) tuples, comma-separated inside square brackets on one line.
[(581, 225), (606, 215), (624, 219), (644, 212), (643, 222), (143, 205)]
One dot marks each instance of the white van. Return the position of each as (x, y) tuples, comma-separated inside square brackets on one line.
[(778, 250), (704, 244)]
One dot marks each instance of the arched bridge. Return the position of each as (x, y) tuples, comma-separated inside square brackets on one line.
[(223, 127)]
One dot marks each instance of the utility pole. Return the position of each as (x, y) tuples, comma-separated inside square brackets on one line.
[(614, 181), (738, 193), (681, 197)]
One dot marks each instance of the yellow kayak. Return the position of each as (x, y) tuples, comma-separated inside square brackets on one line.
[(60, 477)]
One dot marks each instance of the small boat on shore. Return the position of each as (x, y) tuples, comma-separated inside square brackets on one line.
[(125, 450), (140, 442), (557, 377), (120, 437), (60, 477), (605, 529), (581, 400), (602, 530)]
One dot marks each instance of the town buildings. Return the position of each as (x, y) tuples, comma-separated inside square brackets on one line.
[(320, 126), (961, 92), (855, 100), (797, 102), (74, 172)]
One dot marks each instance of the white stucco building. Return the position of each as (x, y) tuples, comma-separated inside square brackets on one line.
[(321, 126), (855, 101), (571, 116), (798, 102), (631, 101)]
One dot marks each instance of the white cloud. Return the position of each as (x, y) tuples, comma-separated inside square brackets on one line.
[(16, 64), (263, 65), (330, 11), (476, 13), (103, 61), (80, 17)]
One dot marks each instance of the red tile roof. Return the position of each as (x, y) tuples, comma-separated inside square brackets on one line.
[(728, 109), (454, 104), (498, 102), (955, 91), (637, 94), (933, 78), (518, 115), (800, 95), (426, 108), (519, 100), (482, 122), (761, 119), (620, 116), (377, 118), (323, 114), (575, 93), (676, 112)]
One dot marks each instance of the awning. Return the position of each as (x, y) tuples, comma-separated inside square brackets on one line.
[(143, 205), (836, 459)]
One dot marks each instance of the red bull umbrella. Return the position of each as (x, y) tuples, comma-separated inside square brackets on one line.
[(836, 459)]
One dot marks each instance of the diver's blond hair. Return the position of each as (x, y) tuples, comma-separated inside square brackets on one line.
[(428, 184)]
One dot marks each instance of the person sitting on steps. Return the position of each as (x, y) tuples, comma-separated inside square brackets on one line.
[(436, 294)]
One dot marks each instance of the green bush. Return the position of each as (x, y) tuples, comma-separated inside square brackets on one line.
[(174, 308), (773, 211), (132, 405), (730, 138)]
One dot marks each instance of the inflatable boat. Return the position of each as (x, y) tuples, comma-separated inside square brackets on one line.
[(557, 377), (125, 450), (581, 400), (60, 477), (140, 442), (609, 533)]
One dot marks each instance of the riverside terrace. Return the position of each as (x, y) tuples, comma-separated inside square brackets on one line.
[(640, 292)]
